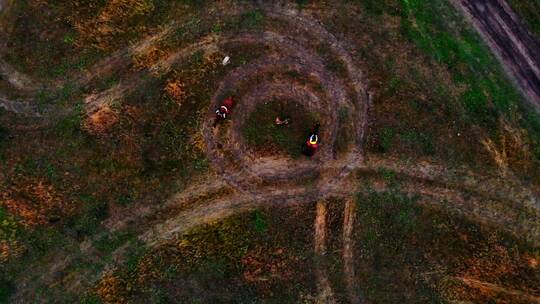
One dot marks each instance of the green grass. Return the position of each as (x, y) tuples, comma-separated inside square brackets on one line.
[(463, 54), (529, 10), (112, 241), (441, 33), (421, 141), (261, 132), (69, 125), (6, 289), (490, 94), (3, 135), (390, 215), (216, 257), (387, 136), (260, 221), (90, 299), (457, 87)]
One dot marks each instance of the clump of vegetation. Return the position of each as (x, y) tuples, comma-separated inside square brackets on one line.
[(111, 289), (176, 90), (87, 223), (264, 135), (8, 225)]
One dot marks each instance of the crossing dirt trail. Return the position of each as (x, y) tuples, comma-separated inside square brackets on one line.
[(242, 181), (485, 286)]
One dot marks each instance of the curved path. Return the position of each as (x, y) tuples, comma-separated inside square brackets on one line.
[(247, 181)]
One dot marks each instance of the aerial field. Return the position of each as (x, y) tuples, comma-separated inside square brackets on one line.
[(156, 151)]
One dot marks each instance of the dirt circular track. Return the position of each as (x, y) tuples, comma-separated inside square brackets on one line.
[(318, 87), (337, 93)]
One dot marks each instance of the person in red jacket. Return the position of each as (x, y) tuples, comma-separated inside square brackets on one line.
[(224, 109), (313, 142)]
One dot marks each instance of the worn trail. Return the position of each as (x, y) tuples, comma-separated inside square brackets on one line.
[(245, 182), (515, 47), (324, 288), (348, 252)]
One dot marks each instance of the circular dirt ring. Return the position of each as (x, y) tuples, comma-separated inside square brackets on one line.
[(327, 82)]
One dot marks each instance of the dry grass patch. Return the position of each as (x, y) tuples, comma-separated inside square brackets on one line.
[(101, 121), (149, 58), (511, 150), (112, 289), (175, 90)]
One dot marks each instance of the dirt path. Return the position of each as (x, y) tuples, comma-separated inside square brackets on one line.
[(18, 80), (324, 288), (508, 38), (219, 208), (244, 184), (348, 251), (508, 204)]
